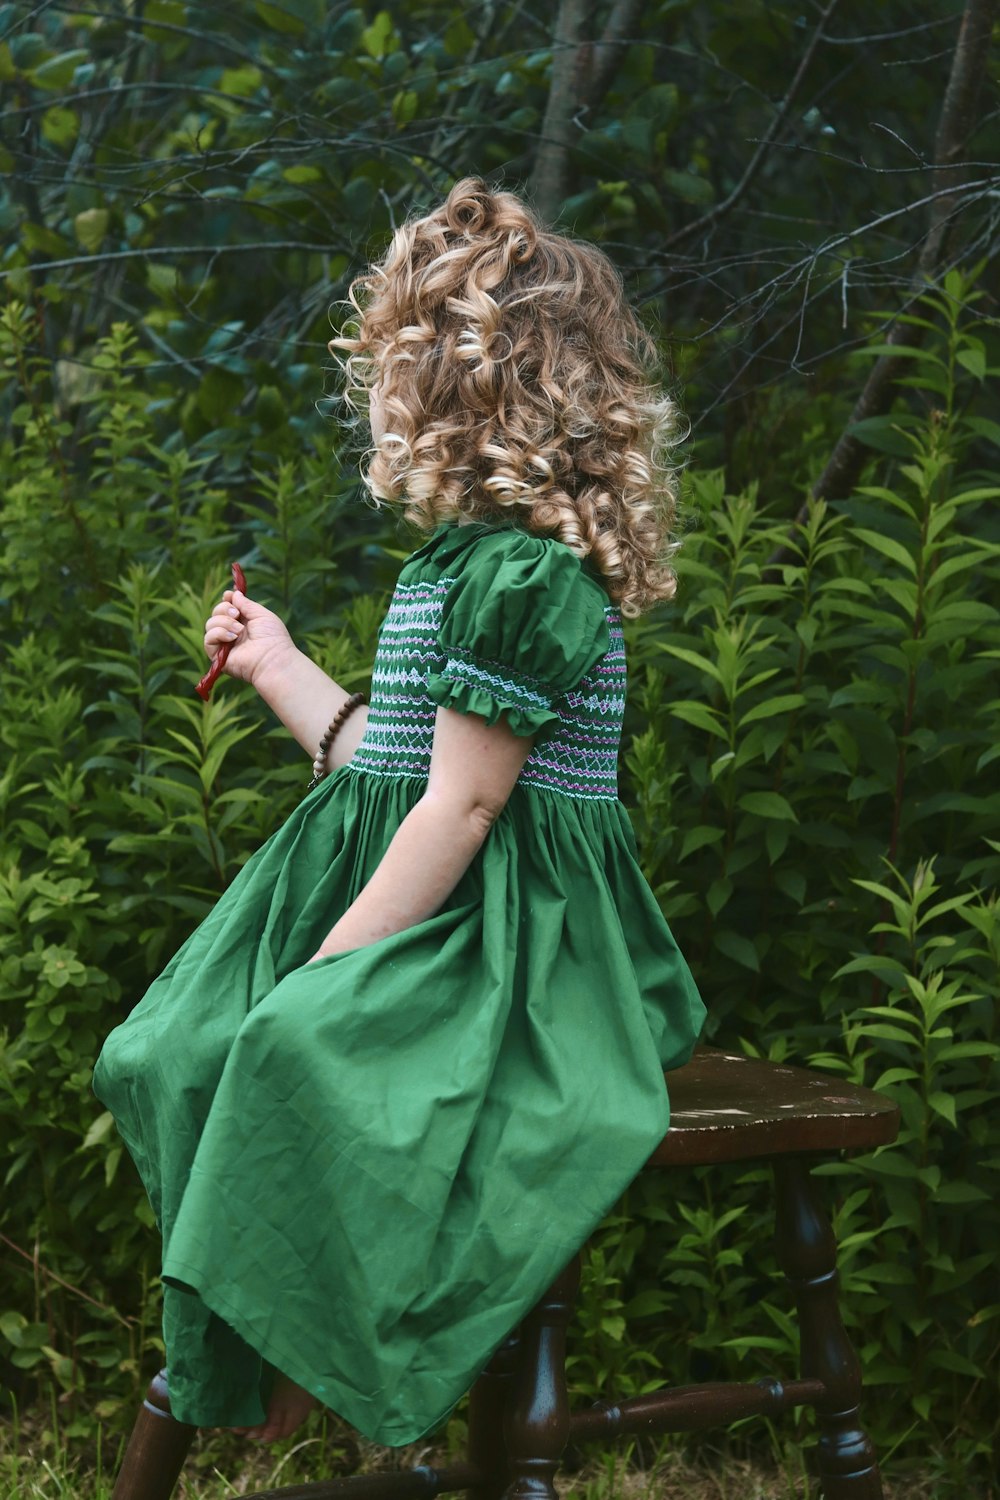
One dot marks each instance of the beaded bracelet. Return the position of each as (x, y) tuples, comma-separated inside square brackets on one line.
[(320, 768)]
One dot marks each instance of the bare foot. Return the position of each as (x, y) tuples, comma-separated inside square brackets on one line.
[(287, 1409)]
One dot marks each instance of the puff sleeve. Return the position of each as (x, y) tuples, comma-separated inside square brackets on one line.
[(521, 625)]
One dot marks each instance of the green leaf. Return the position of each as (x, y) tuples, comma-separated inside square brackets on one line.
[(658, 104), (12, 1326), (41, 237), (279, 17), (959, 1051), (100, 1129), (894, 1163), (302, 172), (957, 1364), (777, 842), (890, 1274), (724, 762), (699, 715), (887, 1033), (791, 882), (60, 126), (697, 838), (961, 1192), (171, 12), (943, 1104), (219, 395), (985, 427), (738, 948), (647, 1303), (888, 546), (718, 894), (973, 360), (380, 38), (899, 351), (894, 1075), (767, 805), (766, 710), (687, 187), (240, 82), (885, 435), (57, 72), (691, 657), (90, 227), (405, 106)]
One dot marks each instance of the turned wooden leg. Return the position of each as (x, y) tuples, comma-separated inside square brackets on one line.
[(537, 1418), (807, 1253), (486, 1449), (156, 1449)]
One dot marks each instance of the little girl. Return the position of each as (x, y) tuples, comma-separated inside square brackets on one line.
[(415, 1054)]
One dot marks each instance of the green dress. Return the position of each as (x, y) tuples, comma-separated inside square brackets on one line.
[(367, 1169)]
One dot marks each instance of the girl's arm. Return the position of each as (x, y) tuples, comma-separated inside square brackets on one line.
[(306, 701), (473, 770), (263, 653)]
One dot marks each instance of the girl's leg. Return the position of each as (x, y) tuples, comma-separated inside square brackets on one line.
[(287, 1409)]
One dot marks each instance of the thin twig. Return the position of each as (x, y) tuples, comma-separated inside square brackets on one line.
[(719, 210), (154, 252), (37, 1266), (955, 126)]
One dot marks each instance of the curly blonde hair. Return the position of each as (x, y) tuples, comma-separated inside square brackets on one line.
[(517, 384)]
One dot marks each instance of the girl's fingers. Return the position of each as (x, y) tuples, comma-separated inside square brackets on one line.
[(217, 634), (224, 618), (226, 608)]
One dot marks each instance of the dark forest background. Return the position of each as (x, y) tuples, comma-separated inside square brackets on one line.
[(803, 202)]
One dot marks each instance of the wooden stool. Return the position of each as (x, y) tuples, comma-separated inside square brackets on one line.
[(724, 1108)]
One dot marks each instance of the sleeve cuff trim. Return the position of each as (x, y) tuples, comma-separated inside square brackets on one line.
[(466, 696)]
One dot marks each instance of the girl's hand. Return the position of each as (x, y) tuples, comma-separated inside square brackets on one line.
[(254, 634)]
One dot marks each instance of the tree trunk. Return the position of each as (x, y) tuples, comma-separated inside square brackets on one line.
[(549, 181)]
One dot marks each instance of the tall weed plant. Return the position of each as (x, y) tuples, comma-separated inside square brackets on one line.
[(813, 782), (809, 761)]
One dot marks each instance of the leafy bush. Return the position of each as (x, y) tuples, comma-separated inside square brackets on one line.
[(809, 754), (813, 762)]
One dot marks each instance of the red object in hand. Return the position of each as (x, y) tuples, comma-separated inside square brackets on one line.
[(207, 683)]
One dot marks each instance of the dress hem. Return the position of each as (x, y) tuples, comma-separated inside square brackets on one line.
[(186, 1279)]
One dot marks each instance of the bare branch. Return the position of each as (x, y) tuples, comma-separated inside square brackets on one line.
[(889, 36), (154, 252), (755, 163), (608, 52), (955, 126)]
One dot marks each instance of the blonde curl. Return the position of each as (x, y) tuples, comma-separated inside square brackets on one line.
[(517, 385)]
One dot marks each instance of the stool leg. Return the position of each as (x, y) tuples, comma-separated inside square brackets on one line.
[(156, 1449), (807, 1253), (537, 1419), (486, 1448)]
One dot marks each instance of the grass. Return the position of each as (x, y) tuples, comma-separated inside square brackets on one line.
[(38, 1461)]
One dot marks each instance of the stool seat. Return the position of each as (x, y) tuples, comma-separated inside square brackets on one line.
[(727, 1107)]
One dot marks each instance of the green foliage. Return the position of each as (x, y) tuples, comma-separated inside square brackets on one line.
[(817, 764), (126, 805), (812, 731), (214, 176)]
